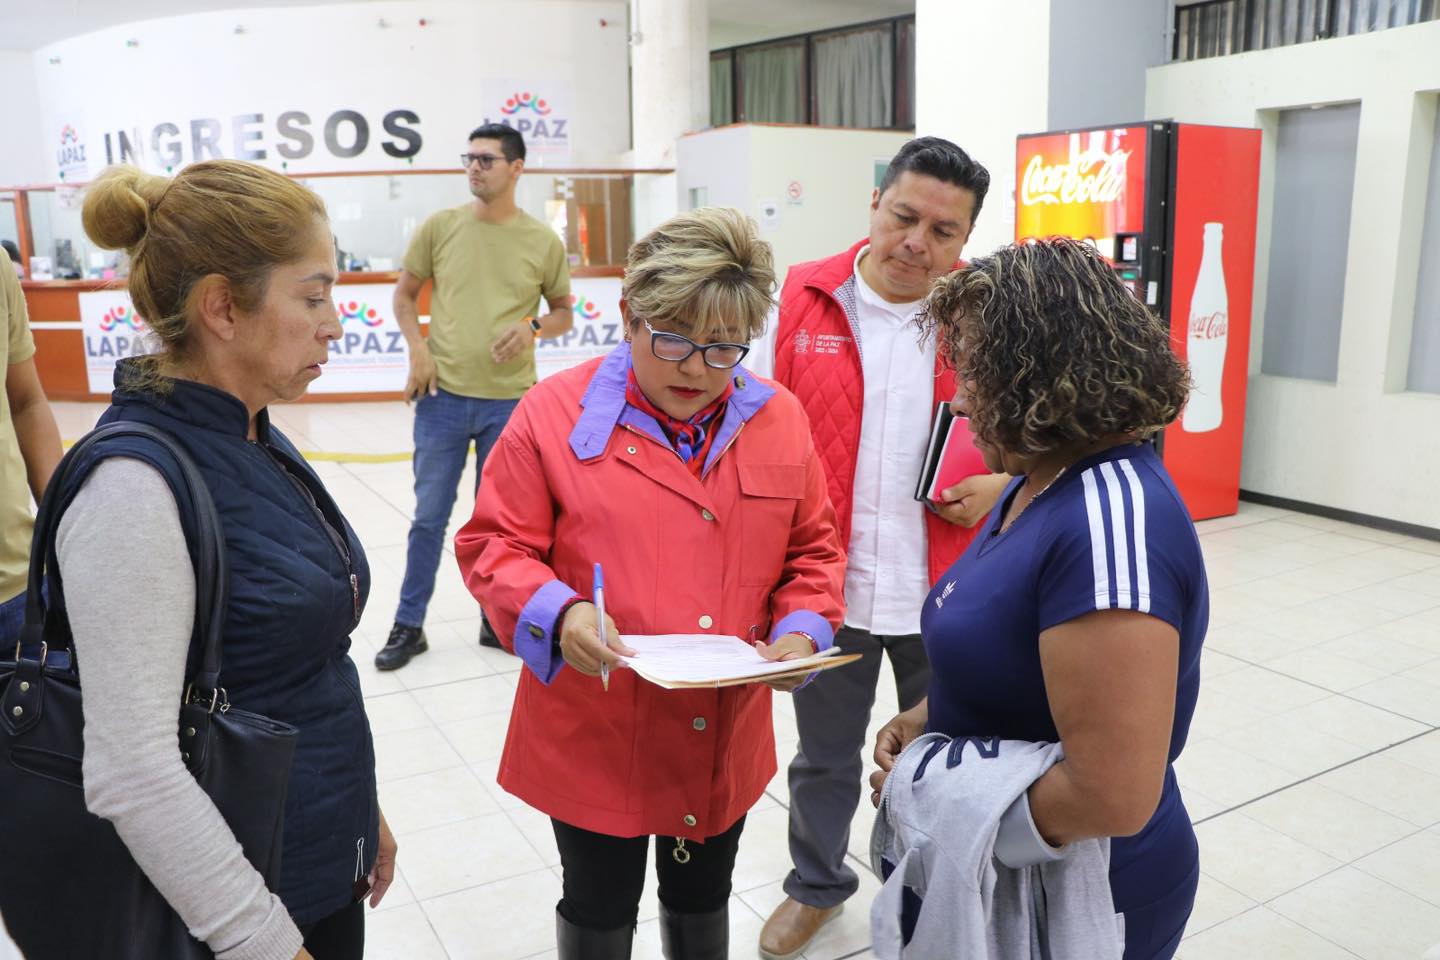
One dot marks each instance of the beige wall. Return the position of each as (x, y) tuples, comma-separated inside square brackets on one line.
[(982, 77), (744, 166), (20, 160), (1361, 443)]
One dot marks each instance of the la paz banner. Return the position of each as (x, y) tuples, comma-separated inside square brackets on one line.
[(597, 329), (370, 355), (110, 329)]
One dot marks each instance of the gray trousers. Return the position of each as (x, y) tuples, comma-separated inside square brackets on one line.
[(832, 715)]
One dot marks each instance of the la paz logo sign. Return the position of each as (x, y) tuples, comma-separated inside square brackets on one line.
[(537, 113)]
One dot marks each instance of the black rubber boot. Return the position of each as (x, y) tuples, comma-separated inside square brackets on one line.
[(404, 642), (581, 943), (695, 936)]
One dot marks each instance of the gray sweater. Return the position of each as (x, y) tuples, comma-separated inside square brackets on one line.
[(939, 815), (132, 605)]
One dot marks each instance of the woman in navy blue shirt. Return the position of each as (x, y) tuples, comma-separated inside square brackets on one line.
[(1078, 613)]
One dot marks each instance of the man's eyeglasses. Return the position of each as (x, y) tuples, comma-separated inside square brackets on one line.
[(675, 348), (486, 160)]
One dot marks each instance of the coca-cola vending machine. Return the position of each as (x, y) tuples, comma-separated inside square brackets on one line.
[(1172, 206)]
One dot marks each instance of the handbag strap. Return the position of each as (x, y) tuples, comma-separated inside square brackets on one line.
[(212, 569)]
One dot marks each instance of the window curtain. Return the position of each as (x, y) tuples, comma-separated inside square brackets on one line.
[(772, 84), (1363, 16), (854, 79), (1215, 29), (722, 100), (905, 73)]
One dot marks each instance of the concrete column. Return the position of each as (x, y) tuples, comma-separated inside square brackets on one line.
[(669, 75)]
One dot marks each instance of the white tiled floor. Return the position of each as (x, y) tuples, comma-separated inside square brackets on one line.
[(1313, 768)]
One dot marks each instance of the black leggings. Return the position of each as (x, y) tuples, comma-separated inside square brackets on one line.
[(340, 936), (605, 875)]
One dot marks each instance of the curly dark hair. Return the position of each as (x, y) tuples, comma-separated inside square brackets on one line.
[(1056, 349)]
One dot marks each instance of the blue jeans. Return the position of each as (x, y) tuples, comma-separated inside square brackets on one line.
[(444, 426), (12, 618)]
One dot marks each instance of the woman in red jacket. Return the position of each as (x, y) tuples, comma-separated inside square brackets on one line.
[(697, 488)]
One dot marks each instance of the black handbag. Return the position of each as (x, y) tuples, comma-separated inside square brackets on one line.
[(68, 885)]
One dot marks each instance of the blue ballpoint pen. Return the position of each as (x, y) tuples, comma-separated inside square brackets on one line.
[(600, 614)]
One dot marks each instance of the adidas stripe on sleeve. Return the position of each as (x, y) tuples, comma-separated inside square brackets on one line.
[(1104, 546)]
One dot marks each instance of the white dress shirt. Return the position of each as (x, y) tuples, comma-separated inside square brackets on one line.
[(888, 574)]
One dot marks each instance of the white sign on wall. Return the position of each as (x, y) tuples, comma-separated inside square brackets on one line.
[(111, 329), (70, 161), (297, 117), (597, 329), (371, 355), (541, 110)]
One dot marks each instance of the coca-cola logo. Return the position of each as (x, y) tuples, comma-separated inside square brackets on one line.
[(1078, 181), (1209, 326)]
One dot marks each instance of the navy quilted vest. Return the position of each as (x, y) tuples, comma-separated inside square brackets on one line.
[(298, 583)]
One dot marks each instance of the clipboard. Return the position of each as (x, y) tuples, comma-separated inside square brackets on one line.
[(812, 665), (705, 661)]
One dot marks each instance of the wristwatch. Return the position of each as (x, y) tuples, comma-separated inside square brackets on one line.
[(534, 326)]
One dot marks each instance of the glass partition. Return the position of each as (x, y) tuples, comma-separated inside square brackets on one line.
[(56, 233), (374, 216), (9, 224)]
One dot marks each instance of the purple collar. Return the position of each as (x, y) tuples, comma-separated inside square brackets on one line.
[(605, 408)]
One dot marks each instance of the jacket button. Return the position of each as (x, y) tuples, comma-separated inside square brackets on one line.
[(706, 622), (689, 819), (707, 515), (698, 723), (536, 631)]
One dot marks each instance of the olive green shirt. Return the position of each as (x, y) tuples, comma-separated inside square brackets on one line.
[(488, 277), (16, 523)]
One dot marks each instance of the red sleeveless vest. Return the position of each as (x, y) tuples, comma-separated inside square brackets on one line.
[(817, 360)]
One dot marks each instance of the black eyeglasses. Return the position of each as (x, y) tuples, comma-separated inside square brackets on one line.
[(486, 160), (675, 348)]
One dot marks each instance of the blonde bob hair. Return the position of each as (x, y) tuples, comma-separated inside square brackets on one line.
[(220, 217), (705, 274)]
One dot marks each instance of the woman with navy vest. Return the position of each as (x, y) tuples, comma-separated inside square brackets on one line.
[(1085, 600), (231, 267)]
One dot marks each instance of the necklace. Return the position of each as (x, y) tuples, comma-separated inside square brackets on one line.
[(1058, 474)]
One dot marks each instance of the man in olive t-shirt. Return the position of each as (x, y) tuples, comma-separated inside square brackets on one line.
[(491, 264), (29, 450)]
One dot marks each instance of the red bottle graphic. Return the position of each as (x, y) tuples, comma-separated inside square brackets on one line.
[(1207, 333)]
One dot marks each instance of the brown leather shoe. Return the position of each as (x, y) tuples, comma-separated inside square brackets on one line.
[(791, 928)]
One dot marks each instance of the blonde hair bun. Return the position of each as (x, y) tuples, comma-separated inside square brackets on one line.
[(116, 211)]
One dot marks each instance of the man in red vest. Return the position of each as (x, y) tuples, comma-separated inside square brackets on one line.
[(846, 344)]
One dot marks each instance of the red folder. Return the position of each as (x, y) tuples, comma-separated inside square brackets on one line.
[(950, 460)]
